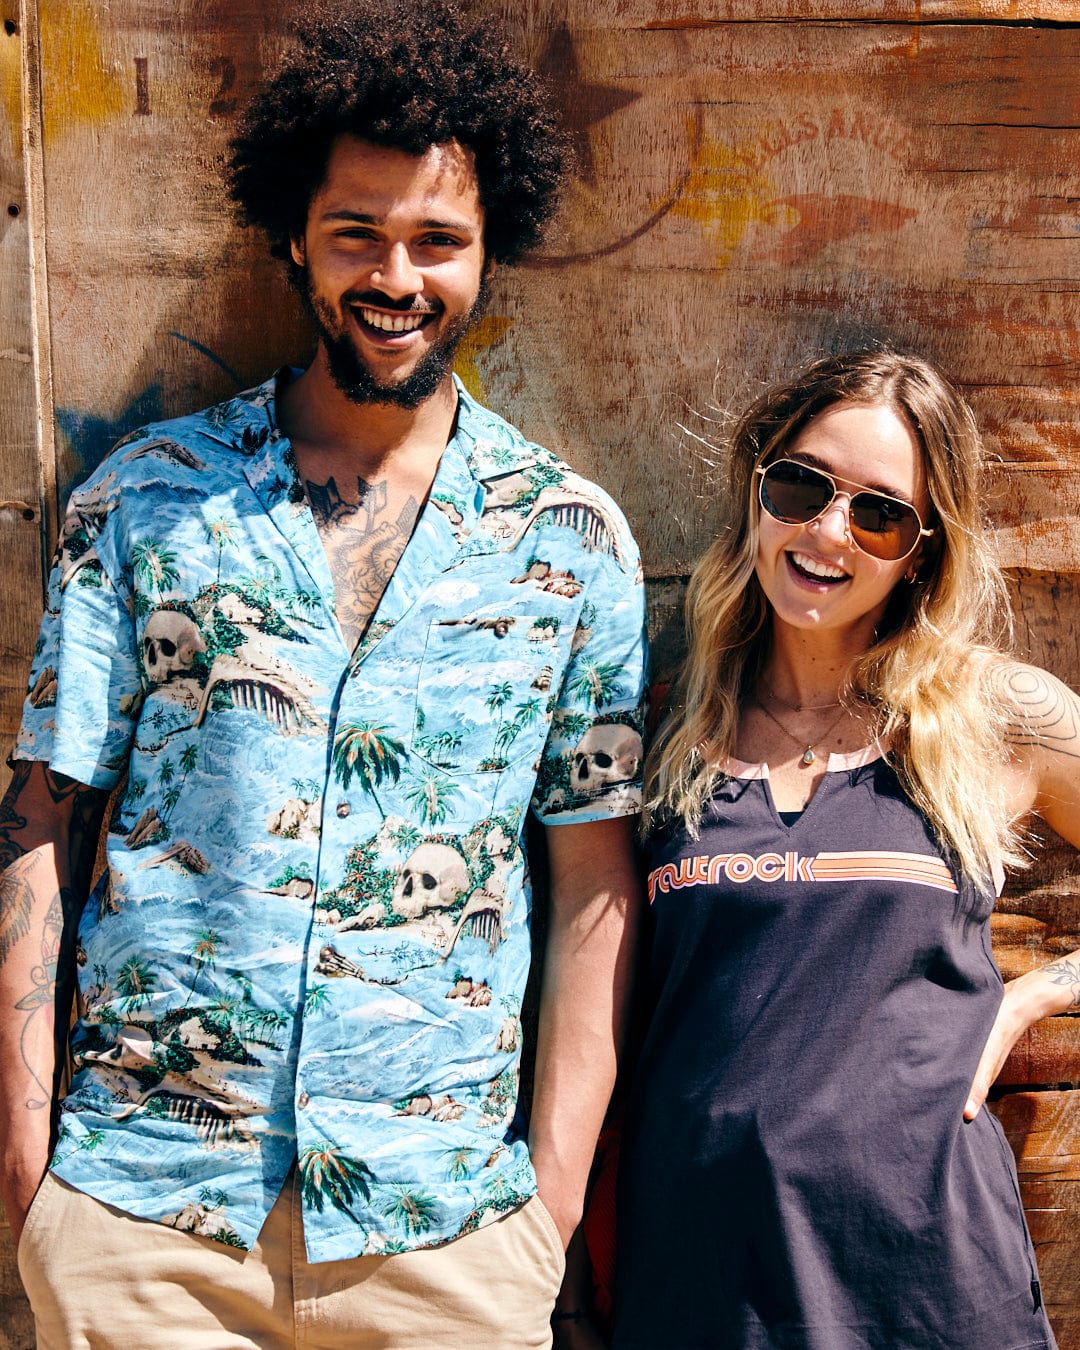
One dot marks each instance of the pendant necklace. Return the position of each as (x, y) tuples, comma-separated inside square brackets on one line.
[(808, 756)]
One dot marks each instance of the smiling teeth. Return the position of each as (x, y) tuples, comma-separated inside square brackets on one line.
[(817, 569), (392, 323)]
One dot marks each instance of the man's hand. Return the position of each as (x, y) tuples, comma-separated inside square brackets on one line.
[(22, 1175)]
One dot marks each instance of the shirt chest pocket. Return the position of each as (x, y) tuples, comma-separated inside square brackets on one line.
[(485, 691)]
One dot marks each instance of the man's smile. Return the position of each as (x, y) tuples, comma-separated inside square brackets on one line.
[(393, 322)]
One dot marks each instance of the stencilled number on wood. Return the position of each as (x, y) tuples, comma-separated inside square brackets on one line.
[(223, 103), (142, 87)]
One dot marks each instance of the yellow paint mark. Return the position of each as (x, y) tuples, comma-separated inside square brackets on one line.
[(726, 193), (482, 335), (77, 85), (11, 90)]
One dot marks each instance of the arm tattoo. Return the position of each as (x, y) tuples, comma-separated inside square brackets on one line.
[(52, 977), (50, 997), (1066, 973), (1045, 713), (16, 906), (11, 821)]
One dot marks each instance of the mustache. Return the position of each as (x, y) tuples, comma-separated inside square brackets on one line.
[(410, 304)]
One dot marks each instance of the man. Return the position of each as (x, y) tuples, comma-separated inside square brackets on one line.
[(330, 639)]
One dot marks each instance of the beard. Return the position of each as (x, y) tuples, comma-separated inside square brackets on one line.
[(353, 378)]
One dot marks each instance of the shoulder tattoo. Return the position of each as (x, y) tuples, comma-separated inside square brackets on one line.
[(1044, 711)]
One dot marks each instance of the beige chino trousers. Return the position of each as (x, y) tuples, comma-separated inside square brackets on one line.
[(99, 1279)]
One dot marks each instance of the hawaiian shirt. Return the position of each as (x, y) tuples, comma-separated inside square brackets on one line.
[(311, 940)]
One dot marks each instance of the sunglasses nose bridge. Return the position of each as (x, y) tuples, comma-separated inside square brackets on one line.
[(823, 522)]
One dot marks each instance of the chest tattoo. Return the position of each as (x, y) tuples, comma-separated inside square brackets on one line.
[(363, 539)]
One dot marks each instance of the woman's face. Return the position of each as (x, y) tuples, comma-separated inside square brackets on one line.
[(813, 576)]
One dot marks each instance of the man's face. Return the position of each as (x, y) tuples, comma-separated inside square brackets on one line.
[(394, 271)]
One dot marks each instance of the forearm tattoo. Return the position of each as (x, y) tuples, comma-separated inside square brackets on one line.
[(1047, 714), (1066, 973), (52, 986), (52, 972)]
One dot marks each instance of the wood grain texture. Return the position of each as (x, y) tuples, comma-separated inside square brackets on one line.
[(21, 527), (1043, 1130), (759, 181)]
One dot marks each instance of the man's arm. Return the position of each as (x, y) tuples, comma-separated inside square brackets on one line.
[(596, 900), (48, 835)]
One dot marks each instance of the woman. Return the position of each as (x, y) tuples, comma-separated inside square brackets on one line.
[(845, 770)]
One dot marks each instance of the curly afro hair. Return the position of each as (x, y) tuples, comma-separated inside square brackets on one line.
[(407, 76)]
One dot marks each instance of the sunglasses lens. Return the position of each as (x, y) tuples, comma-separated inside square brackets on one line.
[(882, 526), (795, 493)]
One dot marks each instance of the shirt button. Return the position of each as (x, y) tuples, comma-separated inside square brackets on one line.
[(343, 809), (302, 1100)]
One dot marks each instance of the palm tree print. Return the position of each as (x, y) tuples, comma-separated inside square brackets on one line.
[(432, 796), (573, 725), (407, 837), (526, 715), (203, 952), (459, 1162), (441, 748), (135, 980), (412, 1208), (155, 565), (371, 752), (221, 532), (328, 1174), (261, 1025), (498, 697), (598, 681), (317, 998)]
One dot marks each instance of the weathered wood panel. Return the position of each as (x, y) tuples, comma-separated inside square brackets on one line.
[(1043, 1129), (20, 466), (20, 474), (758, 181), (775, 190)]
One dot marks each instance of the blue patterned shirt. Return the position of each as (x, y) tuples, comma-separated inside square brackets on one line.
[(312, 937)]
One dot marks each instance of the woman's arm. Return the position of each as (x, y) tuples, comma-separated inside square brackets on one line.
[(1044, 737)]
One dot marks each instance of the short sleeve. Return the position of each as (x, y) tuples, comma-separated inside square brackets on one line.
[(85, 685), (591, 766)]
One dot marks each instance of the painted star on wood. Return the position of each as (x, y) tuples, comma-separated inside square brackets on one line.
[(580, 104)]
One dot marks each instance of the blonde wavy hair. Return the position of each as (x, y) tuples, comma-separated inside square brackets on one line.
[(928, 673)]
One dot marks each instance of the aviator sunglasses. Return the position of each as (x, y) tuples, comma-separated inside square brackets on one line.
[(796, 493)]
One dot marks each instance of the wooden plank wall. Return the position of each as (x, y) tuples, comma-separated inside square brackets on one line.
[(758, 181)]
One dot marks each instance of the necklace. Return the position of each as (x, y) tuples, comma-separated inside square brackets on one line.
[(794, 707), (808, 756)]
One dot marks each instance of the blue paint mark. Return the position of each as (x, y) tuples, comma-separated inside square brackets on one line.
[(210, 356), (91, 438)]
